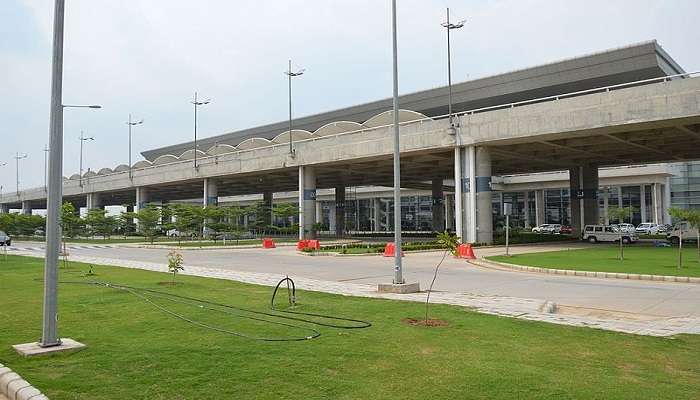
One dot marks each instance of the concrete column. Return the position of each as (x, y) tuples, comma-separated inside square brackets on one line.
[(484, 214), (583, 196), (267, 201), (319, 212), (606, 195), (26, 208), (339, 208), (209, 199), (620, 201), (307, 201), (438, 206), (466, 193), (449, 213), (377, 214), (141, 198), (643, 202), (539, 207), (657, 203), (667, 201), (94, 200), (526, 209)]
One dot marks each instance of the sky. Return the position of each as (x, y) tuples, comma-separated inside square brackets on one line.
[(148, 57)]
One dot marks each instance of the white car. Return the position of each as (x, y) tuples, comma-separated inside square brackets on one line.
[(689, 234), (5, 239), (625, 227), (607, 233), (647, 228), (547, 228)]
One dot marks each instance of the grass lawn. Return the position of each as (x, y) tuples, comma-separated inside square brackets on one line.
[(137, 351), (604, 257)]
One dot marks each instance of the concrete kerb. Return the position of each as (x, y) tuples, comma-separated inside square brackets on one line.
[(586, 274), (227, 247), (14, 387), (338, 254)]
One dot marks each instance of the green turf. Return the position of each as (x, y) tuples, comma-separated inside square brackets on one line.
[(605, 258), (137, 352)]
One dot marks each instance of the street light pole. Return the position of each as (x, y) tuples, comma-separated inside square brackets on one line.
[(448, 27), (82, 139), (49, 336), (17, 158), (130, 125), (290, 74), (197, 104), (398, 268)]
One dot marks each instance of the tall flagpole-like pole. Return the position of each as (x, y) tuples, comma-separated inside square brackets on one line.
[(398, 268), (49, 336)]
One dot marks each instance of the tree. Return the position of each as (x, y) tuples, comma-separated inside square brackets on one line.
[(693, 218), (682, 216), (100, 223), (183, 219), (285, 211), (125, 223), (175, 263), (620, 213), (149, 218), (70, 221)]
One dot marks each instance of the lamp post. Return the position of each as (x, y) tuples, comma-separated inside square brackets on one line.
[(46, 155), (448, 27), (197, 104), (49, 335), (291, 74), (17, 158), (130, 124), (82, 140), (398, 268)]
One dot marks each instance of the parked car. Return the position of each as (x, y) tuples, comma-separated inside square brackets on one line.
[(625, 227), (547, 228), (5, 239), (566, 229), (173, 233), (647, 228), (663, 228), (607, 233), (674, 234), (540, 228)]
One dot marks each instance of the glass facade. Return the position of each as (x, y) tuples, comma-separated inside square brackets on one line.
[(685, 189)]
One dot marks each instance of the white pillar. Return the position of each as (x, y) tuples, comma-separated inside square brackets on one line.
[(459, 198), (606, 195), (667, 201), (26, 208), (377, 214), (539, 207), (93, 201), (620, 201), (141, 198), (449, 212), (483, 194), (526, 208), (307, 201), (643, 202)]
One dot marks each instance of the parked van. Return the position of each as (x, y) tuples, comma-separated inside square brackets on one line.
[(607, 233), (674, 234)]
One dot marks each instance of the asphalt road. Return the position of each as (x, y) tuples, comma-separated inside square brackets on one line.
[(639, 297)]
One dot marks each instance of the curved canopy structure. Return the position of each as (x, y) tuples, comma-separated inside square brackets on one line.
[(220, 149), (165, 159), (335, 128), (105, 171), (189, 155), (89, 174), (121, 168), (143, 164), (297, 134), (387, 118), (253, 143), (75, 176)]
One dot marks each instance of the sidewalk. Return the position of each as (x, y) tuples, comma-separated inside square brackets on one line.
[(523, 308)]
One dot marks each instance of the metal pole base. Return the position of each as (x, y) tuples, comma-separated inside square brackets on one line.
[(37, 349)]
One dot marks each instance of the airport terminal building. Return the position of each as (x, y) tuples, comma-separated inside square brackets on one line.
[(563, 142)]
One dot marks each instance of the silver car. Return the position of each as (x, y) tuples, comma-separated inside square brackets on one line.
[(5, 239)]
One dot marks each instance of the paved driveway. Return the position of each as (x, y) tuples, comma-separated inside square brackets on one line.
[(456, 276)]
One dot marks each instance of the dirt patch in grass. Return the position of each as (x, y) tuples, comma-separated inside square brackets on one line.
[(170, 283), (430, 322)]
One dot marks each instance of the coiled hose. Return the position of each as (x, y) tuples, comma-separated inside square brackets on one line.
[(254, 315)]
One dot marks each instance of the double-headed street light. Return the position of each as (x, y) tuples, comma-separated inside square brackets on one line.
[(291, 74), (196, 104), (448, 27), (130, 123), (82, 140), (17, 158)]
